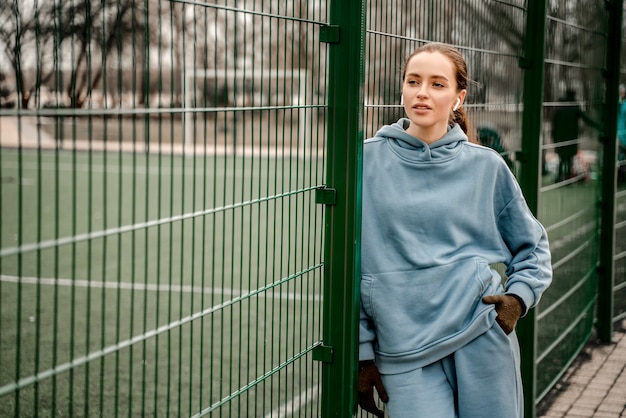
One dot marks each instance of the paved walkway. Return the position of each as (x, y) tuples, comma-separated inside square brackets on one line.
[(595, 384)]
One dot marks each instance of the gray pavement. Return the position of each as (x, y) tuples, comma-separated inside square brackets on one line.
[(595, 385)]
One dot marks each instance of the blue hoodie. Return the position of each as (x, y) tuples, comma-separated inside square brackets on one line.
[(435, 218)]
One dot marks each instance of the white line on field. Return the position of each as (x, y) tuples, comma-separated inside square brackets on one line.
[(98, 284), (111, 168), (295, 404), (573, 236), (78, 361), (145, 225)]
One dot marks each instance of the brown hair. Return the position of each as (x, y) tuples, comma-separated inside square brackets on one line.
[(458, 116)]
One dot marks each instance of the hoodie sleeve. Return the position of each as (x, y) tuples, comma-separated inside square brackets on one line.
[(529, 269)]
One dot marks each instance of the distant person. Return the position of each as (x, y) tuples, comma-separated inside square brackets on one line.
[(621, 133), (565, 128), (490, 137), (621, 122)]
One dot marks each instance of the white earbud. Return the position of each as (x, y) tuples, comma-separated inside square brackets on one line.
[(458, 103)]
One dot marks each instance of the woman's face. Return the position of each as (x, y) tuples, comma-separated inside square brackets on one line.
[(430, 93)]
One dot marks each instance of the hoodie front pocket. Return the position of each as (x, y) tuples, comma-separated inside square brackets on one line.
[(414, 310)]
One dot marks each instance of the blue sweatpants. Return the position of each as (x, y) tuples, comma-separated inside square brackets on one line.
[(480, 380)]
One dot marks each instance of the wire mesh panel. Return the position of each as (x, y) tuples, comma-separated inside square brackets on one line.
[(619, 296), (570, 183), (161, 249), (489, 34)]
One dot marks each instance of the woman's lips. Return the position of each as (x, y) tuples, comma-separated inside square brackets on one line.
[(421, 108)]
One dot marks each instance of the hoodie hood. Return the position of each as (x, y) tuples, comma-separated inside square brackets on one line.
[(402, 142)]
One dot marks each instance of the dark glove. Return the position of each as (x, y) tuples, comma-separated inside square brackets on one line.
[(509, 310), (369, 378)]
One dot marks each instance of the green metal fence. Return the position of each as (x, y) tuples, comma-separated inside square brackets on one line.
[(162, 251), (575, 54), (616, 286), (180, 191), (535, 66)]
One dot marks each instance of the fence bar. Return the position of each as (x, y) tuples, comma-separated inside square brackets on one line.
[(533, 63), (343, 219), (606, 265)]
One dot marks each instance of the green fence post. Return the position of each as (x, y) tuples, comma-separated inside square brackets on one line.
[(346, 44), (533, 64), (606, 266)]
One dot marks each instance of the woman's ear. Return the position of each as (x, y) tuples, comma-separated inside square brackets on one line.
[(459, 100)]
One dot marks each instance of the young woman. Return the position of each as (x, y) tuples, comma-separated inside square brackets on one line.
[(437, 325)]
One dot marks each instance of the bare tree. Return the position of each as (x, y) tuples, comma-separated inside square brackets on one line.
[(36, 38), (95, 31), (26, 36)]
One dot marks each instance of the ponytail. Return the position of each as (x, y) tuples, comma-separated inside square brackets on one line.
[(459, 116)]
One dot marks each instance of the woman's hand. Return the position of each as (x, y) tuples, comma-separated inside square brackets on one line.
[(508, 308), (369, 378)]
